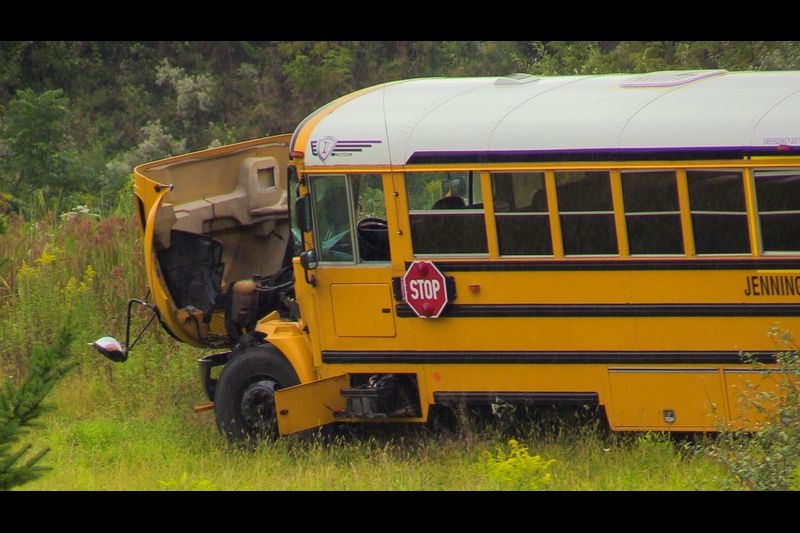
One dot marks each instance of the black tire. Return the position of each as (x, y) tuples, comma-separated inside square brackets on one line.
[(245, 394)]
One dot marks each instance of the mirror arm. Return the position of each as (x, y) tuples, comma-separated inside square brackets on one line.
[(128, 345)]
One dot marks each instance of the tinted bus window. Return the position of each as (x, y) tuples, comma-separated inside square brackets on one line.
[(586, 212), (446, 213), (778, 200), (719, 215), (521, 214), (652, 212)]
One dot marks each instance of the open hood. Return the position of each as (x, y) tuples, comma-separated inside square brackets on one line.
[(216, 233)]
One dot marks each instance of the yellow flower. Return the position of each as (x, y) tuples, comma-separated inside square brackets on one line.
[(46, 258), (71, 288), (25, 271)]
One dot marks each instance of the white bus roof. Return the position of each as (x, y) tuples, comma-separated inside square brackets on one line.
[(550, 118)]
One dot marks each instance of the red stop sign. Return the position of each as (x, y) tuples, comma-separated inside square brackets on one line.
[(424, 289)]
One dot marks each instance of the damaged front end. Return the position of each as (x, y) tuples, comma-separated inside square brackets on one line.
[(217, 239)]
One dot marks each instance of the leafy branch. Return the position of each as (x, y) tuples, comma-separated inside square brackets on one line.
[(22, 405)]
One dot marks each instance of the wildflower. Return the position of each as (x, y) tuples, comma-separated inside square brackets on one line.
[(26, 271), (78, 211), (46, 258)]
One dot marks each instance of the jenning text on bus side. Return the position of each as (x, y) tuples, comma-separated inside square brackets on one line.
[(772, 285)]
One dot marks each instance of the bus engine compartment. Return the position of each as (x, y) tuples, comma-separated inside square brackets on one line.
[(221, 239)]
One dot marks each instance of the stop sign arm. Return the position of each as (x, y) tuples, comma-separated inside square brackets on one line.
[(425, 289)]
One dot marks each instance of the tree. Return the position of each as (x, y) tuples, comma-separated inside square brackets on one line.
[(317, 71), (21, 406), (193, 98), (33, 136)]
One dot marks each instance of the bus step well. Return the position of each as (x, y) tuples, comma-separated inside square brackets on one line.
[(382, 396)]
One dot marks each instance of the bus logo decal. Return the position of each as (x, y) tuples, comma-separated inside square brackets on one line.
[(324, 147), (330, 146)]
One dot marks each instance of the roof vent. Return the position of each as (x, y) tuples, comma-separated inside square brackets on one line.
[(515, 79), (670, 78)]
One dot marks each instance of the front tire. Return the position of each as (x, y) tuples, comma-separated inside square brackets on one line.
[(245, 394)]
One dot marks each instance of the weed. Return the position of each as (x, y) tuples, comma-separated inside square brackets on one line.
[(517, 469)]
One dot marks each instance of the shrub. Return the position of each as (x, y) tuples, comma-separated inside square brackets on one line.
[(517, 469), (768, 459)]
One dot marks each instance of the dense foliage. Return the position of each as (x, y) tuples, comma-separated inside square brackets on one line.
[(76, 116)]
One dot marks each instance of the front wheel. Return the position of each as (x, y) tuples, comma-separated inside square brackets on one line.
[(245, 393)]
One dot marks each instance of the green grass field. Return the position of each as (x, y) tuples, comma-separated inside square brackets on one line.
[(131, 426), (184, 452)]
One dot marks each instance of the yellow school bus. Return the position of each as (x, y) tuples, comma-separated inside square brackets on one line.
[(617, 241)]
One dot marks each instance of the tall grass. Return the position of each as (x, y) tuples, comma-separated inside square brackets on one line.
[(89, 266), (178, 453)]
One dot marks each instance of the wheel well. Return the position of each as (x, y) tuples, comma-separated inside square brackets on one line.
[(237, 404), (225, 359)]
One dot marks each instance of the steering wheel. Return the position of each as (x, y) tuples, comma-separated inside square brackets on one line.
[(373, 238), (372, 225)]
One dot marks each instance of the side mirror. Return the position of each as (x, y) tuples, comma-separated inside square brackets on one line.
[(302, 207), (111, 348), (309, 261)]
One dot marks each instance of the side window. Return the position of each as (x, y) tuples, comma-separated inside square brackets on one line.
[(372, 233), (333, 232), (446, 213), (778, 200), (521, 214), (350, 209), (586, 213), (652, 212), (296, 233), (719, 213)]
